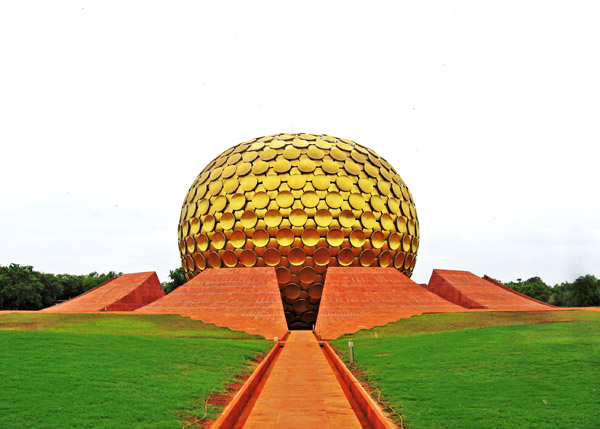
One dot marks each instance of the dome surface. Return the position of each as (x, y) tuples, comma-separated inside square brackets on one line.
[(299, 203)]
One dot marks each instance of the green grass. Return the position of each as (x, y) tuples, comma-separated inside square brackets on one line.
[(114, 371), (470, 374), (167, 325)]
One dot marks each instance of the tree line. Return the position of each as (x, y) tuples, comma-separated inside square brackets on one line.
[(23, 288), (583, 292)]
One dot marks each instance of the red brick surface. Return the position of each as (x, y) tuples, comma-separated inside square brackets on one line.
[(309, 398), (470, 291), (360, 298), (242, 299), (125, 293)]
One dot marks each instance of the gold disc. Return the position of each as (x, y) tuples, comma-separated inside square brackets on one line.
[(357, 238), (229, 258), (237, 239), (249, 219), (385, 258), (214, 260), (203, 206), (335, 237), (248, 183), (190, 244), (306, 165), (365, 185), (315, 291), (321, 256), (298, 217), (285, 237), (330, 167), (248, 258), (282, 165), (323, 217), (200, 261), (307, 275), (401, 224), (387, 222), (208, 223), (321, 182), (194, 226), (310, 237), (219, 203), (202, 242), (268, 154), (406, 241), (315, 153), (310, 199), (273, 218), (284, 275), (260, 200), (394, 205), (296, 181), (218, 240), (284, 199), (292, 291), (357, 201), (377, 239), (259, 167), (296, 256), (227, 221), (260, 238), (271, 182), (334, 200), (345, 257), (291, 153), (368, 220), (243, 168), (347, 218), (272, 257), (399, 260), (238, 201), (366, 258), (394, 240), (344, 183)]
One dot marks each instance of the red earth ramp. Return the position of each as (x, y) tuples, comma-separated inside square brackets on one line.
[(470, 291), (126, 293), (241, 299), (357, 298)]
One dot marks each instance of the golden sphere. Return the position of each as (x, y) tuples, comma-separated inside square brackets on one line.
[(299, 203)]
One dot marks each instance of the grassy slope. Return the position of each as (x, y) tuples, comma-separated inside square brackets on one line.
[(532, 375), (114, 370)]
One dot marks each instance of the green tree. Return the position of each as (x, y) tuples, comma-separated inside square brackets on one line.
[(51, 290), (20, 288), (178, 277), (585, 292), (533, 287)]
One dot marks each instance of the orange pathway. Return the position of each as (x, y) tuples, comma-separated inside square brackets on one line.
[(302, 391)]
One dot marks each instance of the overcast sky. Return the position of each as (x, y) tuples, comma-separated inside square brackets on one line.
[(490, 112)]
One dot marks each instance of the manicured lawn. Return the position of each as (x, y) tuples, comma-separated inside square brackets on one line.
[(114, 370), (167, 325), (520, 375)]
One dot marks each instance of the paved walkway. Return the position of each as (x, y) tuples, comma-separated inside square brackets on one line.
[(302, 391)]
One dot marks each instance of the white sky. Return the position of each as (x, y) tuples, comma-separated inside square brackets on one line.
[(490, 112)]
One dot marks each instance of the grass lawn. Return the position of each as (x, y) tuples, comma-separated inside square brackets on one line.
[(456, 370), (118, 370)]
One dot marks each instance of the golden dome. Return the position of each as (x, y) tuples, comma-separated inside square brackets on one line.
[(299, 203)]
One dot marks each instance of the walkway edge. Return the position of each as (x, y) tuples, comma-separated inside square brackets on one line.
[(233, 410), (368, 406)]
